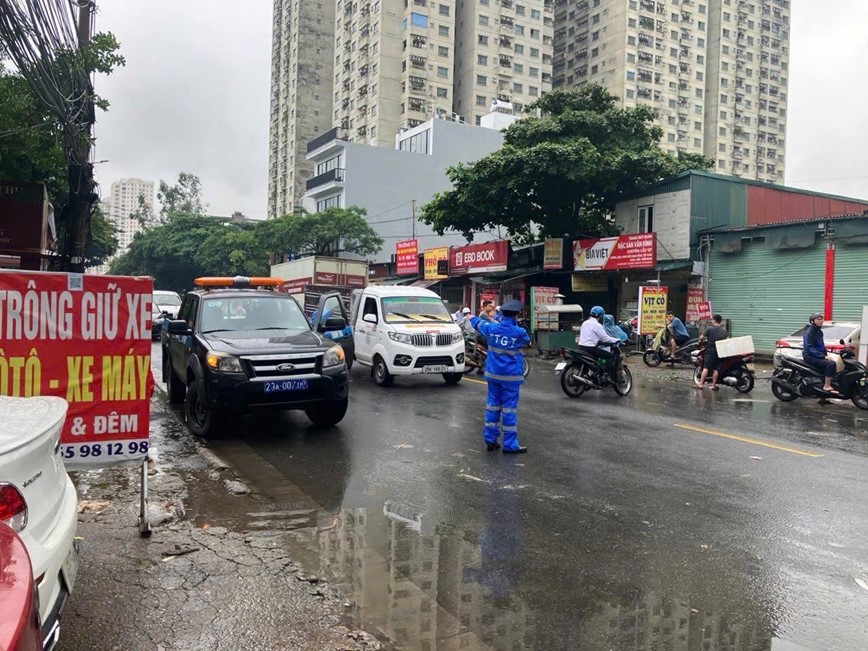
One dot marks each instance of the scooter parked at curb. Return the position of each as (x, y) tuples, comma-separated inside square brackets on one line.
[(736, 371), (581, 371), (795, 379)]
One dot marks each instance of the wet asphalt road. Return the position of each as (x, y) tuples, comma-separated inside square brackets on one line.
[(670, 519)]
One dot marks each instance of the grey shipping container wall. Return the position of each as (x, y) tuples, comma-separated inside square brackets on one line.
[(851, 282), (765, 293), (715, 203)]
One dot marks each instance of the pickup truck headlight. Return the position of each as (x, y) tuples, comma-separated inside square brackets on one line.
[(400, 338), (458, 336), (334, 356), (224, 363)]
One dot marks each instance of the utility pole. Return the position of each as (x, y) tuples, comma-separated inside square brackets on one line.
[(414, 218), (80, 169)]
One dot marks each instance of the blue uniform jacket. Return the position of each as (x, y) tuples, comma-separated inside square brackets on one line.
[(813, 345), (505, 341)]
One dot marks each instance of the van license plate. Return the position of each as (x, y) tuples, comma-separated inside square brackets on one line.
[(440, 368), (560, 367), (286, 385)]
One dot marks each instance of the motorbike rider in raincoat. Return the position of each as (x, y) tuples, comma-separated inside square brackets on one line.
[(504, 373)]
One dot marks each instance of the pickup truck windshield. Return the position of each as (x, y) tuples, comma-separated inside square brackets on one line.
[(415, 309), (229, 314)]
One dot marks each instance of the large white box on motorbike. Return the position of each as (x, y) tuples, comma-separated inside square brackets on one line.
[(735, 346)]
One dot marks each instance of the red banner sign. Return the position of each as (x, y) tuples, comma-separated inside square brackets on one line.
[(296, 285), (86, 339), (638, 251), (695, 296), (356, 281), (407, 257), (704, 309), (479, 258), (326, 278)]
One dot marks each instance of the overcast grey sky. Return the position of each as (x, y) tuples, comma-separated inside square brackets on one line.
[(194, 97)]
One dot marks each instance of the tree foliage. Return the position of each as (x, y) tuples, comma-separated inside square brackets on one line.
[(186, 242), (559, 174), (330, 232)]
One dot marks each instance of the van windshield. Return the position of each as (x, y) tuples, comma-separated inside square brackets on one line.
[(415, 309)]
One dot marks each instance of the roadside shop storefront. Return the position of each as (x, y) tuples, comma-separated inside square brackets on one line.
[(767, 280)]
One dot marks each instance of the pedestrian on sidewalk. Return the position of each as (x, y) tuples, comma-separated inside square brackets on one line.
[(504, 372), (710, 361)]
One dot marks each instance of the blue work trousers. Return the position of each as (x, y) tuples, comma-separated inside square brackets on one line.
[(501, 413)]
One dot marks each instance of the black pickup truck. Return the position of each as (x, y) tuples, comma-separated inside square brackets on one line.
[(239, 346)]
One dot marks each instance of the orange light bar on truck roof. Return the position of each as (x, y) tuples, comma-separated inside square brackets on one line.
[(237, 281)]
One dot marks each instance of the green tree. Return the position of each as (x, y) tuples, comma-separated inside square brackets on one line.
[(560, 174), (102, 239), (330, 232), (182, 198)]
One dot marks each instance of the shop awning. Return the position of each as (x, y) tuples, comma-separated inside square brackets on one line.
[(672, 265)]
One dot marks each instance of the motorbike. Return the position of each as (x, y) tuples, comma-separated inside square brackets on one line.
[(735, 371), (655, 355), (795, 379), (581, 371), (475, 353)]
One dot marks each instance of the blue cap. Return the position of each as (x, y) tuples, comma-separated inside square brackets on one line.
[(512, 306), (597, 311)]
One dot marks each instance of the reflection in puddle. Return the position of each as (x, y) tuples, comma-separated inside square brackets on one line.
[(450, 589)]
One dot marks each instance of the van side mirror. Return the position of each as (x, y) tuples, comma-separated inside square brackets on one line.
[(370, 318)]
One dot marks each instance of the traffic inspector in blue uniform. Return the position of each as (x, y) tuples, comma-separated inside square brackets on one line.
[(503, 371)]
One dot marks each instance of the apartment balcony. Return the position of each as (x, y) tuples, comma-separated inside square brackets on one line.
[(417, 61), (325, 182), (331, 138)]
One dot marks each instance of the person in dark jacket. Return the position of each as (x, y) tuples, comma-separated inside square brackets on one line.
[(710, 361), (504, 373), (814, 351)]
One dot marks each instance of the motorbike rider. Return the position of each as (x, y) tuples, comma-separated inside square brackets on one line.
[(594, 339), (504, 372), (814, 351), (463, 321), (678, 335)]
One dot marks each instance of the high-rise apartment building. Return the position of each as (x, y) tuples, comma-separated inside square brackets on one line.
[(504, 53), (746, 102), (128, 198), (302, 67), (700, 63), (394, 62), (373, 68)]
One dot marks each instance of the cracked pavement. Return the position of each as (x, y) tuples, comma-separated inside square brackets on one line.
[(202, 580)]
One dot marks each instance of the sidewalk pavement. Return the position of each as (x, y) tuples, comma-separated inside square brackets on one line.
[(201, 581)]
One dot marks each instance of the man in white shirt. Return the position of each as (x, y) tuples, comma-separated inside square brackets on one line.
[(594, 339)]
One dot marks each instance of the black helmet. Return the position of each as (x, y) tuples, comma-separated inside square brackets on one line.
[(815, 315)]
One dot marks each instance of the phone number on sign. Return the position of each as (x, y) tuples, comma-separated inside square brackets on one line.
[(109, 449)]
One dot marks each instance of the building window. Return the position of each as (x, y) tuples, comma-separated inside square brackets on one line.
[(482, 40), (481, 60), (533, 72), (670, 137), (418, 144), (519, 10), (533, 91), (483, 20), (534, 33), (329, 165), (517, 67), (519, 48), (631, 75), (697, 142), (442, 92), (419, 20), (442, 51), (442, 72), (535, 14), (444, 10), (646, 219), (480, 100), (517, 88), (478, 120), (331, 202), (534, 53), (519, 29), (443, 30), (481, 80)]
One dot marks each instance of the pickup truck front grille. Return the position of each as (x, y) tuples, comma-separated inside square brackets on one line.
[(440, 360), (428, 340), (269, 366)]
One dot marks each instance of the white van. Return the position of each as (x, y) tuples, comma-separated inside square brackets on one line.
[(405, 331)]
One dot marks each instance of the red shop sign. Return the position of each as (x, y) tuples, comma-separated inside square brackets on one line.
[(479, 258), (407, 257)]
